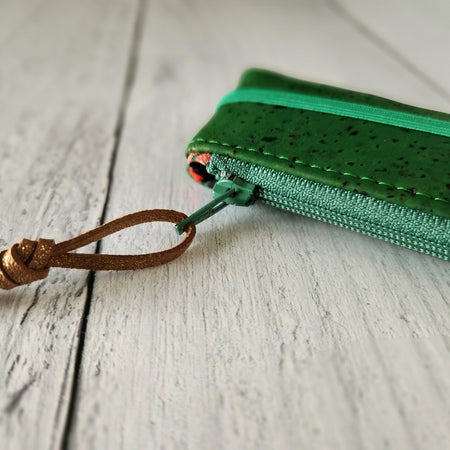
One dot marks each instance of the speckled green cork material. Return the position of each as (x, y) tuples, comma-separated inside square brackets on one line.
[(400, 165)]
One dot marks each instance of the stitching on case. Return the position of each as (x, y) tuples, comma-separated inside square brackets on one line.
[(314, 166)]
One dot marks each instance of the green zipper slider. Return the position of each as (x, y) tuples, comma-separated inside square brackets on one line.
[(226, 192)]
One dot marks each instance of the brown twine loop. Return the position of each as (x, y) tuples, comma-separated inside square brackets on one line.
[(30, 260)]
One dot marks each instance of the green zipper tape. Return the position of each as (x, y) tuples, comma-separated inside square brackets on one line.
[(339, 108), (397, 224)]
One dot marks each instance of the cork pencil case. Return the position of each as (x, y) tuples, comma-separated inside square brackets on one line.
[(355, 160)]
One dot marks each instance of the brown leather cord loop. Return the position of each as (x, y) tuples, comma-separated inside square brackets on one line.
[(30, 260)]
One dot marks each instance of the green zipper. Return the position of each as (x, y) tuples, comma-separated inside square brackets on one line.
[(399, 225), (226, 191)]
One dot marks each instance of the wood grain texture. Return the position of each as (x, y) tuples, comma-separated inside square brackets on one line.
[(411, 32), (273, 331), (60, 91)]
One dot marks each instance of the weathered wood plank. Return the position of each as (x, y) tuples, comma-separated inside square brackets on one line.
[(61, 79), (410, 31), (274, 331)]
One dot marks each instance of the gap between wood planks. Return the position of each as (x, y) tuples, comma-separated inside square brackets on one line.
[(126, 91), (387, 48)]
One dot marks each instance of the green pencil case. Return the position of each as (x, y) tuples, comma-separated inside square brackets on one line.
[(355, 160)]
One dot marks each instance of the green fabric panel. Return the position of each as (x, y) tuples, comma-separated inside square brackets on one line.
[(402, 166), (264, 79), (340, 108)]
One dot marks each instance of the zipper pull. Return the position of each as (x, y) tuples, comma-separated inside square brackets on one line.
[(226, 192)]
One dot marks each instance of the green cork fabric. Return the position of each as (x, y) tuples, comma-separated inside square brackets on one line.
[(336, 107), (387, 161)]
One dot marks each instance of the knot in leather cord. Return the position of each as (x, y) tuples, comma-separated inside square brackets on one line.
[(25, 262), (30, 260)]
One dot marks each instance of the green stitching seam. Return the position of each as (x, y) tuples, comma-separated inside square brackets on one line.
[(314, 166)]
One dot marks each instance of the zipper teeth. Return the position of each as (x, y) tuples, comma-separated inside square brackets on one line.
[(387, 234), (222, 167)]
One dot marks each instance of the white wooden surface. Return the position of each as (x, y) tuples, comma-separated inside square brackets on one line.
[(273, 331)]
